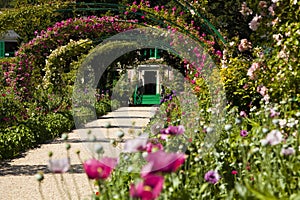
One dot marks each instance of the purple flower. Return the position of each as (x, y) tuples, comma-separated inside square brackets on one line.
[(99, 169), (212, 177), (273, 138), (161, 161), (137, 144), (149, 189), (59, 165), (244, 133), (288, 151)]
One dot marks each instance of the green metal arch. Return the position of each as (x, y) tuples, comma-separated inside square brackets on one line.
[(118, 7)]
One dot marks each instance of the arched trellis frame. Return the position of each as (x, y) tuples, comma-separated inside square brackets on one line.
[(206, 25), (104, 54), (32, 56)]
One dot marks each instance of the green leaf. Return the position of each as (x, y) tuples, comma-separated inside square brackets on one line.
[(203, 187)]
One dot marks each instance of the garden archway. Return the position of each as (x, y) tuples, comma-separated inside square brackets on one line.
[(32, 56)]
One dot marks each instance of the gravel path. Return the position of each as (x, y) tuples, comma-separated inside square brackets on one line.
[(17, 179)]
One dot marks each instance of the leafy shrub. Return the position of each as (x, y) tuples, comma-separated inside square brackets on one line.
[(14, 140)]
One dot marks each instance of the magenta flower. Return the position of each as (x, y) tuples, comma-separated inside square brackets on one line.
[(59, 166), (99, 169), (234, 172), (173, 130), (149, 189), (161, 161), (154, 146), (212, 177), (244, 133)]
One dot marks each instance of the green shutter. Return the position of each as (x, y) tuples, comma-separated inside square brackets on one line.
[(2, 49), (152, 53), (157, 53)]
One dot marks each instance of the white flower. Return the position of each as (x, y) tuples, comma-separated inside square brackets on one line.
[(282, 123), (278, 38), (228, 127), (273, 138)]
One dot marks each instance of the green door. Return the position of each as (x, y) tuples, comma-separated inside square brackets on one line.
[(2, 49)]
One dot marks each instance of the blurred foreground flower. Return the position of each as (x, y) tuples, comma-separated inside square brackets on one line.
[(161, 161), (99, 169), (173, 130), (149, 189), (136, 145), (154, 146), (212, 177), (287, 151), (273, 138), (59, 165)]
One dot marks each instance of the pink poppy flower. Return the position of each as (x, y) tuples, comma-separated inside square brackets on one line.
[(273, 138), (153, 146), (161, 161), (149, 189), (59, 165), (137, 144), (99, 169), (287, 151), (173, 130)]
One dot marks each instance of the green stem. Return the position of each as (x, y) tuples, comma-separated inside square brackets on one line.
[(65, 186), (41, 191), (57, 186)]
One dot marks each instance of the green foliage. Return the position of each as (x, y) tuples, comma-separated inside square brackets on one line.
[(27, 19), (31, 132), (15, 139), (59, 71)]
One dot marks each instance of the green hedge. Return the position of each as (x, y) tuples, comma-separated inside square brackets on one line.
[(34, 131)]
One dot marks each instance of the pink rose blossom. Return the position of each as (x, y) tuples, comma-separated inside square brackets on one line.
[(253, 25), (244, 45)]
